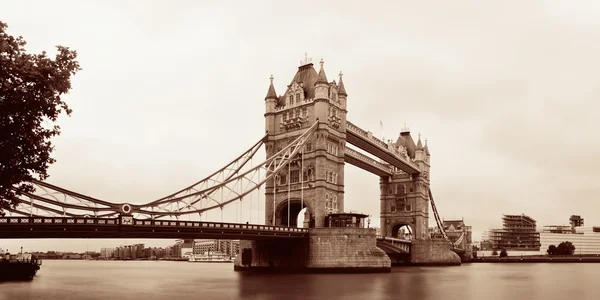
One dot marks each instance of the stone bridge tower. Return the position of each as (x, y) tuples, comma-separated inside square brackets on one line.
[(315, 179), (405, 197)]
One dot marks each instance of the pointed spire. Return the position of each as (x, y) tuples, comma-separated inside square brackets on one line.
[(341, 88), (426, 148), (405, 129), (271, 93), (322, 78), (419, 144)]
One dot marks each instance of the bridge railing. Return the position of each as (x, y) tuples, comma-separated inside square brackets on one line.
[(377, 142), (401, 244), (368, 160), (51, 221), (393, 240)]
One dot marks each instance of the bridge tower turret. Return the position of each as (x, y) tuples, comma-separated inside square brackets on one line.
[(404, 197), (315, 179)]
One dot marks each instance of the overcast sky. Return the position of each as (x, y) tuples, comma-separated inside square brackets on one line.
[(506, 93)]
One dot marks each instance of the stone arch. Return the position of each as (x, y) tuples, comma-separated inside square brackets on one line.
[(402, 231), (296, 205)]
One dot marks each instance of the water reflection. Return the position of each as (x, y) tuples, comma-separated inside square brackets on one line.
[(181, 280)]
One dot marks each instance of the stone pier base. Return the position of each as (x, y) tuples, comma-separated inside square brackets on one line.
[(285, 256), (433, 253), (344, 250), (328, 250)]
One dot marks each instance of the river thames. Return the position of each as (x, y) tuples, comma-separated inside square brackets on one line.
[(148, 280)]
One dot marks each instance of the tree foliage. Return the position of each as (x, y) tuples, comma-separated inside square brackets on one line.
[(494, 252), (31, 86), (564, 248), (503, 253)]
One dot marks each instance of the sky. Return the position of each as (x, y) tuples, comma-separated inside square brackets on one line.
[(506, 94)]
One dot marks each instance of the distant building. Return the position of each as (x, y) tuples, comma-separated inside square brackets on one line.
[(576, 221), (585, 239), (519, 233), (106, 253), (458, 232), (228, 247)]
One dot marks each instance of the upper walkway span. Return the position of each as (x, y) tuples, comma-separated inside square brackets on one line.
[(366, 141)]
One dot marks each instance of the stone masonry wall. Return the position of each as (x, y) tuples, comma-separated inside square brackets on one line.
[(352, 249), (433, 252)]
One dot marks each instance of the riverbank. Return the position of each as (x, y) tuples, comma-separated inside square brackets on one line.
[(537, 259)]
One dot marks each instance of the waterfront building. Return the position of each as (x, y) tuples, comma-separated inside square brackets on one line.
[(519, 233), (106, 253), (585, 239), (458, 232), (228, 247)]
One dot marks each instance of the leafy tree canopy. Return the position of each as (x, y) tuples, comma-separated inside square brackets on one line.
[(503, 253), (31, 86), (564, 248)]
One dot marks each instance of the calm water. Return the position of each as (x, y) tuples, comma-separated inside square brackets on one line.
[(83, 280)]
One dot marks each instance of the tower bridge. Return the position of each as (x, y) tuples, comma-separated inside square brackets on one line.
[(307, 145)]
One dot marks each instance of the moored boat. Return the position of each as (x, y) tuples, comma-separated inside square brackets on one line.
[(21, 266)]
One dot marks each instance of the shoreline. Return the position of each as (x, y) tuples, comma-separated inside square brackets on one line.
[(537, 259)]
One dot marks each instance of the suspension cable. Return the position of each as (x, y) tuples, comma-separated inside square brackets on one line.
[(274, 199), (250, 195), (301, 181), (258, 201), (289, 180)]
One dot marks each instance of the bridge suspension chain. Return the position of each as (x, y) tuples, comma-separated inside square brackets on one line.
[(437, 216), (233, 184), (236, 187)]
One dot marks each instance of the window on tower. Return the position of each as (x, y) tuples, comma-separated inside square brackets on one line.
[(294, 176), (283, 179)]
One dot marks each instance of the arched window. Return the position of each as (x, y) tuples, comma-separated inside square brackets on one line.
[(298, 98)]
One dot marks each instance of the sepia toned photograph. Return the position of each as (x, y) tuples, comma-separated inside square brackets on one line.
[(267, 150)]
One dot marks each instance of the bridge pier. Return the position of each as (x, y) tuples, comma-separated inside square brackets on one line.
[(433, 253), (328, 250)]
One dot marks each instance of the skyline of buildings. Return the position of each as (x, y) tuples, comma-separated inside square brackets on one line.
[(522, 236), (181, 249)]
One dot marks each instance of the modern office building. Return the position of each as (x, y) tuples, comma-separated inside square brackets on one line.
[(519, 233), (585, 239)]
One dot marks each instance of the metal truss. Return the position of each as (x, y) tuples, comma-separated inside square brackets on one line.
[(458, 242), (232, 189), (51, 200), (225, 186), (233, 168)]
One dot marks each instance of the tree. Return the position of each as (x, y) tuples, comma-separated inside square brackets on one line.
[(494, 252), (503, 253), (565, 248), (31, 86)]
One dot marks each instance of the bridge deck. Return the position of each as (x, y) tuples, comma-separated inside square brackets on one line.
[(52, 227)]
